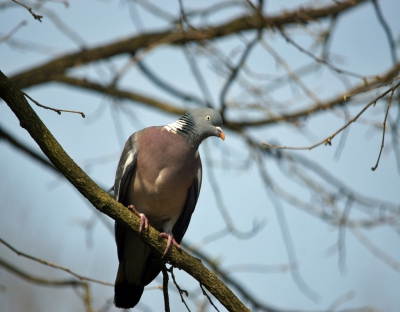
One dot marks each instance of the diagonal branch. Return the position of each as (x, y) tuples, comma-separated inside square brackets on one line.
[(103, 202), (39, 280), (35, 16), (118, 93), (19, 253), (380, 81)]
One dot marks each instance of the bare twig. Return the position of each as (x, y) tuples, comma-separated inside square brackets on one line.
[(35, 16), (258, 268), (383, 132), (290, 73), (19, 253), (13, 31), (328, 140), (376, 86), (169, 38), (5, 135), (50, 282), (375, 250), (165, 284), (198, 76), (342, 235), (249, 296), (341, 300), (286, 236), (155, 10), (387, 30), (321, 60), (65, 28), (118, 93), (168, 87), (208, 297), (234, 72), (38, 280), (57, 110), (180, 290), (223, 209)]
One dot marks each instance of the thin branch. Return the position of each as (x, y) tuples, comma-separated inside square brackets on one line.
[(13, 31), (118, 93), (381, 81), (35, 16), (234, 72), (57, 110), (387, 30), (286, 236), (38, 280), (65, 28), (290, 73), (168, 87), (208, 297), (328, 140), (249, 296), (222, 208), (36, 156), (50, 282), (19, 253), (180, 290), (375, 250), (201, 82), (321, 60), (137, 56), (345, 189), (258, 268), (342, 235), (165, 284), (157, 11), (383, 132), (211, 238), (341, 300)]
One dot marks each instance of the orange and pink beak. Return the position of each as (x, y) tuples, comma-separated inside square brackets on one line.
[(221, 133)]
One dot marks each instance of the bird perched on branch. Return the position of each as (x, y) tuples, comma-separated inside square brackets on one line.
[(158, 177)]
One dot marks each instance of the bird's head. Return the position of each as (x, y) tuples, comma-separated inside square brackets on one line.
[(199, 124), (207, 122)]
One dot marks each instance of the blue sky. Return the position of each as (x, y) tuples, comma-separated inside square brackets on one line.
[(43, 214)]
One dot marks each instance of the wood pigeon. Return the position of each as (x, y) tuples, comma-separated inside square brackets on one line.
[(158, 177)]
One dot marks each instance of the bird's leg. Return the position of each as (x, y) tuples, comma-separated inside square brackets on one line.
[(143, 219), (171, 240)]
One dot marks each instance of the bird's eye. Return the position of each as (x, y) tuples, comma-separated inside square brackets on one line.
[(208, 117)]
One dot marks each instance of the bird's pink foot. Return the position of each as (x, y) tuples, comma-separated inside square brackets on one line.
[(171, 241), (143, 220)]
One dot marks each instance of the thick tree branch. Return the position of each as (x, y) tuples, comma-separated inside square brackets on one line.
[(103, 202), (118, 93), (45, 72), (234, 125)]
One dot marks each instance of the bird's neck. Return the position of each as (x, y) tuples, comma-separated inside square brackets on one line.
[(185, 128)]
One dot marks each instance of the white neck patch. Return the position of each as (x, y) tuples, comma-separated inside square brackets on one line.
[(175, 126)]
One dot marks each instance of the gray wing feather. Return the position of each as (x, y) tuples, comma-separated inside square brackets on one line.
[(126, 168), (182, 224)]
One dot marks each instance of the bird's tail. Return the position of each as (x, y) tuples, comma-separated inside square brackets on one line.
[(126, 295)]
